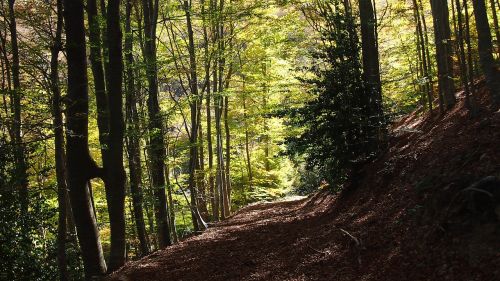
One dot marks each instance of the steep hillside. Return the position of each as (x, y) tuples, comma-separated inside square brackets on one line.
[(407, 217)]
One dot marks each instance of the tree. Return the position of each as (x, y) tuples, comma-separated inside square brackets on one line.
[(133, 137), (193, 103), (208, 103), (60, 157), (494, 8), (485, 48), (81, 168), (156, 130), (442, 34), (21, 166), (115, 172), (371, 64)]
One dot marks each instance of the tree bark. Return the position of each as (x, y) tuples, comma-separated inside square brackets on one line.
[(247, 143), (96, 62), (422, 51), (193, 103), (133, 143), (495, 10), (209, 112), (215, 40), (444, 52), (461, 49), (371, 64), (157, 143), (115, 177), (80, 166), (469, 48), (427, 52), (21, 171), (228, 156), (485, 47), (57, 121)]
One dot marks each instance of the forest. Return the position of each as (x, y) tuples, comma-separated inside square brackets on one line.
[(132, 130)]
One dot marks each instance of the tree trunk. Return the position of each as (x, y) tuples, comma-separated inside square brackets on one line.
[(202, 192), (425, 59), (444, 52), (110, 120), (209, 111), (461, 50), (193, 103), (228, 156), (59, 147), (369, 49), (21, 170), (495, 10), (115, 178), (247, 147), (96, 62), (469, 48), (171, 203), (215, 40), (134, 152), (80, 166), (485, 48), (427, 52), (157, 143)]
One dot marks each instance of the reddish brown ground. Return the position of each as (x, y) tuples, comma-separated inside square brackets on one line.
[(400, 223)]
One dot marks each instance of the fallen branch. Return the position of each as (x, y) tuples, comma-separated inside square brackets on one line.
[(357, 242), (327, 252)]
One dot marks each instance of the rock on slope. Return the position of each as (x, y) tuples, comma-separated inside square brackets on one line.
[(407, 218)]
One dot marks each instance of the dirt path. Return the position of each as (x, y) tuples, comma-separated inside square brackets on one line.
[(273, 241)]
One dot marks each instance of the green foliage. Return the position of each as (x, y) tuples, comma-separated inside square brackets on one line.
[(24, 250), (338, 129)]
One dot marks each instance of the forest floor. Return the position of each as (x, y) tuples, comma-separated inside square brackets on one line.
[(405, 218)]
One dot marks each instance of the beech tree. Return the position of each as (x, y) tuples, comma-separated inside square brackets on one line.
[(81, 168), (444, 52), (485, 49)]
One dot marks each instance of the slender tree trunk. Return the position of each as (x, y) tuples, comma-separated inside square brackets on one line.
[(217, 190), (157, 143), (209, 113), (193, 150), (134, 152), (202, 192), (228, 156), (444, 51), (495, 9), (420, 59), (461, 50), (226, 123), (115, 177), (96, 62), (427, 52), (469, 48), (171, 203), (267, 163), (59, 147), (80, 166), (485, 48), (425, 58), (247, 139), (21, 171)]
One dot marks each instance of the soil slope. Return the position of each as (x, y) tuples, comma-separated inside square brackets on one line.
[(405, 218)]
